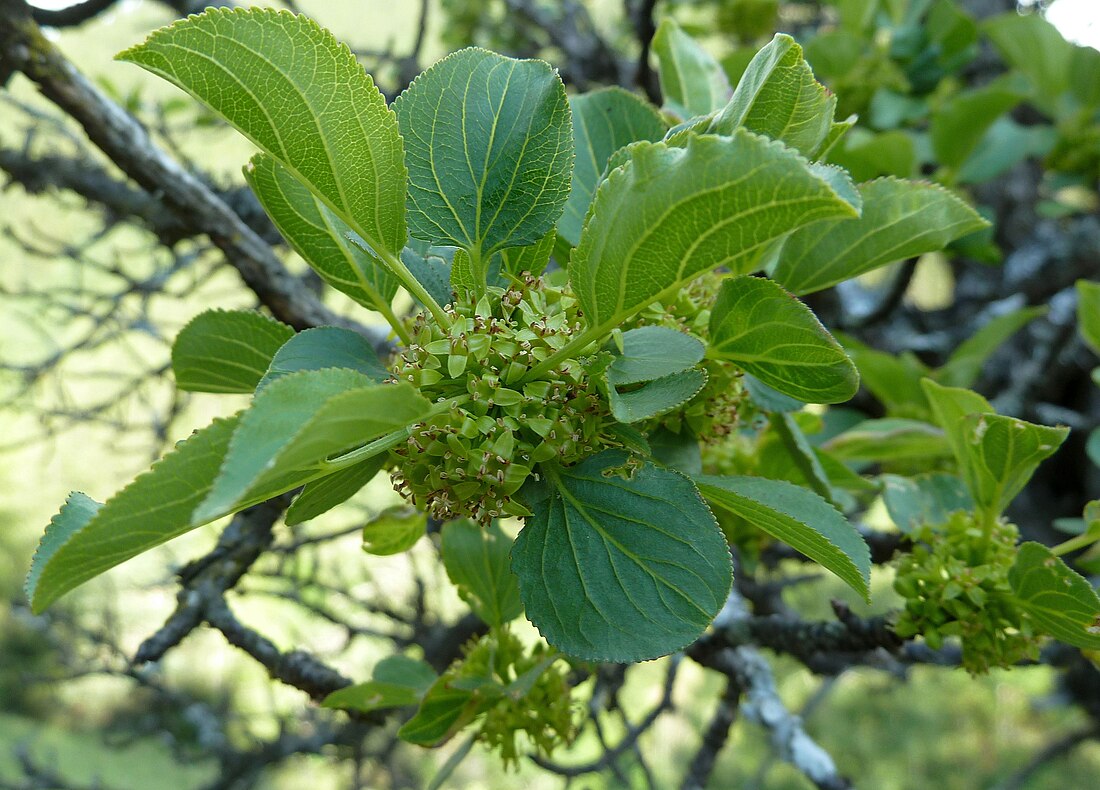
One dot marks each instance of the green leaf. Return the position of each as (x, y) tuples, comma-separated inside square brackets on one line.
[(679, 451), (301, 96), (958, 126), (325, 347), (322, 495), (621, 569), (1002, 455), (298, 422), (672, 214), (443, 712), (895, 381), (1005, 145), (1092, 446), (779, 97), (767, 399), (1059, 601), (431, 266), (1036, 48), (477, 562), (533, 258), (488, 143), (397, 681), (652, 352), (86, 539), (692, 82), (950, 405), (965, 363), (226, 350), (656, 397), (889, 439), (866, 155), (923, 499), (901, 219), (997, 455), (799, 518), (798, 448), (603, 122), (770, 334), (393, 531), (1088, 313), (319, 236)]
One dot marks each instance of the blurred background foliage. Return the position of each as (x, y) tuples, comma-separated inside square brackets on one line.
[(997, 105)]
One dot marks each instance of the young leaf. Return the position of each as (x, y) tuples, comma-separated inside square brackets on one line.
[(393, 531), (778, 96), (443, 712), (397, 681), (603, 122), (325, 347), (652, 352), (1002, 455), (950, 405), (431, 266), (692, 82), (965, 363), (923, 499), (958, 126), (895, 381), (477, 562), (1034, 46), (226, 350), (320, 237), (679, 451), (86, 539), (770, 334), (889, 439), (322, 495), (531, 258), (672, 214), (489, 147), (615, 568), (656, 397), (1088, 313), (901, 219), (301, 96), (1061, 602), (295, 424), (767, 399), (799, 518)]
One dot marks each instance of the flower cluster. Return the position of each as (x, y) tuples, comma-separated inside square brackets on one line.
[(535, 698), (471, 459), (955, 582)]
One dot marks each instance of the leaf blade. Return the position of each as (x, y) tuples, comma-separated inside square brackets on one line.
[(799, 518), (295, 91), (156, 507), (602, 579), (671, 214), (756, 324), (901, 219), (221, 350), (501, 174)]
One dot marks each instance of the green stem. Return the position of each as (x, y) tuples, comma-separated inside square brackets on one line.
[(578, 343), (413, 286), (1075, 543)]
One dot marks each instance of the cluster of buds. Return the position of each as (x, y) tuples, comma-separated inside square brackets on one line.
[(472, 459), (955, 583)]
